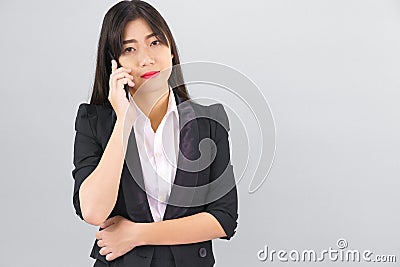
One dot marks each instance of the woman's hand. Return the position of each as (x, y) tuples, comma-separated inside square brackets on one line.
[(117, 95), (119, 236)]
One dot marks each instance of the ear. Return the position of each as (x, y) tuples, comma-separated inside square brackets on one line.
[(172, 56)]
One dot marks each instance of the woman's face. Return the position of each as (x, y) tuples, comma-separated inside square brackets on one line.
[(142, 53)]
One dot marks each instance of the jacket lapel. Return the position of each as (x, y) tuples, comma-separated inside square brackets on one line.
[(182, 191)]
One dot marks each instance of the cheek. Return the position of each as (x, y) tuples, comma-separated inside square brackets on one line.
[(165, 56), (166, 64), (124, 61)]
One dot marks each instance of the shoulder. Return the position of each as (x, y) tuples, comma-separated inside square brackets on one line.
[(88, 114), (215, 113), (93, 110)]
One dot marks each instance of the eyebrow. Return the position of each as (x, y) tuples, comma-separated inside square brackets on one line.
[(135, 41)]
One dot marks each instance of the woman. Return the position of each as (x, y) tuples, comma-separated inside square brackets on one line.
[(151, 212)]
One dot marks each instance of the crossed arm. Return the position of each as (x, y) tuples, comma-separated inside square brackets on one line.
[(120, 235)]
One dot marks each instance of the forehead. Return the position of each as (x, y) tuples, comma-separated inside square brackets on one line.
[(137, 29)]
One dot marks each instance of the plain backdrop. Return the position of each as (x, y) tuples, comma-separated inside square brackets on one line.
[(330, 71)]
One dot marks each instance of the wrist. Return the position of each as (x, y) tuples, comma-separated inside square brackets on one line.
[(127, 117), (142, 233)]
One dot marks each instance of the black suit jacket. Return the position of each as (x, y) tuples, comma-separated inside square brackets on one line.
[(94, 125)]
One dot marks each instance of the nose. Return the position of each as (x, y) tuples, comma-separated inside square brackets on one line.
[(145, 58)]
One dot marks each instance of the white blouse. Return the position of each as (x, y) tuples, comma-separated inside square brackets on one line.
[(158, 152)]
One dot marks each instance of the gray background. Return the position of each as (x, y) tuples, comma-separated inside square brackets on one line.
[(329, 69)]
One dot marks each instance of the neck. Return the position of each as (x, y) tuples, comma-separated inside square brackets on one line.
[(152, 102)]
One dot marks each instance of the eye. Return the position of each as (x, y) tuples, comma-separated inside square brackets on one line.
[(156, 41), (127, 50)]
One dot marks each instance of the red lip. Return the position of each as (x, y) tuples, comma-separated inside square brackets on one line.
[(149, 74)]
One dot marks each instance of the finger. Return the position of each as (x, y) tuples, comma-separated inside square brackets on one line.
[(122, 82), (121, 75), (122, 69), (104, 251), (128, 70), (113, 65), (100, 243), (115, 80), (111, 256), (99, 234)]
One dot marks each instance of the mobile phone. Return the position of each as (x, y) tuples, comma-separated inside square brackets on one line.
[(126, 87)]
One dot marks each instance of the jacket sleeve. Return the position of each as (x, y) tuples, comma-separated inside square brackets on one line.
[(222, 196), (87, 153)]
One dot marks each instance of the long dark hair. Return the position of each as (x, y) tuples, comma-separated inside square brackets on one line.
[(111, 38)]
